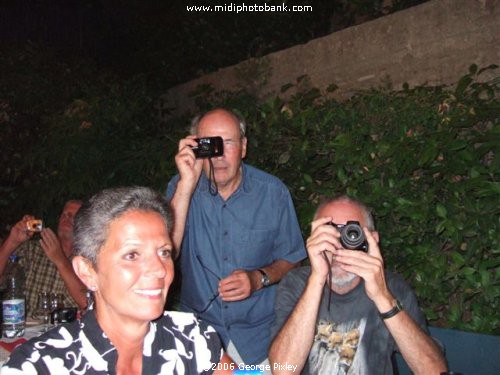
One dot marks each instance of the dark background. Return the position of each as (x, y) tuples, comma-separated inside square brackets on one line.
[(63, 60), (162, 40)]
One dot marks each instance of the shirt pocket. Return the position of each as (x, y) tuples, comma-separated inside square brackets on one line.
[(254, 248)]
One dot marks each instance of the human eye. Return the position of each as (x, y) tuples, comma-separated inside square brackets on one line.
[(165, 252), (131, 255)]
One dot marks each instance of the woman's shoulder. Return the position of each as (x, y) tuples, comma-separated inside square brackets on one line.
[(179, 315), (184, 329), (175, 336), (184, 321), (50, 345)]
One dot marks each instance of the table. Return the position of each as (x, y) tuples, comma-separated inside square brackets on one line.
[(33, 329)]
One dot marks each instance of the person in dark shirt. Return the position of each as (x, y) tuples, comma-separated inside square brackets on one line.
[(345, 314)]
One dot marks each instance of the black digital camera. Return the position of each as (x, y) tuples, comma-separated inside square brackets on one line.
[(208, 147), (352, 236), (63, 315)]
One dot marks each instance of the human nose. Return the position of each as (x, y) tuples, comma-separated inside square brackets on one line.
[(67, 216), (156, 267)]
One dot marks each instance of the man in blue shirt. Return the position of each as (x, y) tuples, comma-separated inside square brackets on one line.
[(235, 242)]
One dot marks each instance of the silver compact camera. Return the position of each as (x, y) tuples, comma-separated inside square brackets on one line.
[(35, 225)]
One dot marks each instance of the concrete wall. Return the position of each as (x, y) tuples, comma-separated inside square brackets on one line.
[(433, 43)]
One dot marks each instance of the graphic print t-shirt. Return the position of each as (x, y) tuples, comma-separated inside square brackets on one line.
[(350, 337)]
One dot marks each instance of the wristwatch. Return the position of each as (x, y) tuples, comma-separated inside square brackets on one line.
[(394, 311), (265, 278)]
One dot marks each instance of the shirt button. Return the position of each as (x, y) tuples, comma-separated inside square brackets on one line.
[(225, 258), (225, 233), (226, 306), (224, 205)]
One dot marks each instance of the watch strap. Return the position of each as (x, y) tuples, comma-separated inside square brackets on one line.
[(392, 312), (265, 278)]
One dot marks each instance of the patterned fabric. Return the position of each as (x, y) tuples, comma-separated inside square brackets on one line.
[(41, 275), (350, 338), (177, 343), (254, 227)]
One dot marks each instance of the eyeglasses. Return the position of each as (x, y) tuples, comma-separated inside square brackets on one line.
[(231, 143), (214, 295)]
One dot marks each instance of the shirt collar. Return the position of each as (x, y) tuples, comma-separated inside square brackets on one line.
[(99, 341), (244, 183)]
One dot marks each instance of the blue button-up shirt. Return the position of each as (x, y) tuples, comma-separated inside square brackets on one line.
[(254, 227)]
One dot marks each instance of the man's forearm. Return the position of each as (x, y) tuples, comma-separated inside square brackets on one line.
[(293, 342), (277, 270), (180, 206), (74, 285), (419, 350)]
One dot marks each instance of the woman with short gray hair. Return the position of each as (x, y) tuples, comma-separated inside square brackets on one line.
[(124, 256)]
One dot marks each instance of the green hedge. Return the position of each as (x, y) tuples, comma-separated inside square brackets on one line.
[(425, 158), (427, 161)]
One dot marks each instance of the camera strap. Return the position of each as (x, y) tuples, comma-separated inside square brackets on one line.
[(329, 280), (212, 185)]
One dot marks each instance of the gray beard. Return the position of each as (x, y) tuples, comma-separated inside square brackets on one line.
[(342, 282)]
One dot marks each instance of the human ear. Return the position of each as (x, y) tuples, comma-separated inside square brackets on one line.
[(243, 147), (85, 272)]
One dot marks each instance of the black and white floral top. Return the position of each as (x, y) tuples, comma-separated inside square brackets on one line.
[(177, 343)]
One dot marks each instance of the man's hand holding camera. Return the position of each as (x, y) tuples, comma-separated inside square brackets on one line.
[(188, 165), (189, 161), (19, 233), (370, 267), (325, 239)]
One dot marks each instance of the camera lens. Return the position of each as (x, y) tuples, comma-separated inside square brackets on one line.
[(352, 237)]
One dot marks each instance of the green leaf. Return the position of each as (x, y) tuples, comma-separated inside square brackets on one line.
[(485, 278), (455, 314), (458, 259), (462, 85), (342, 176), (284, 157), (440, 227), (468, 271), (286, 87), (459, 144), (441, 210), (489, 67), (332, 87)]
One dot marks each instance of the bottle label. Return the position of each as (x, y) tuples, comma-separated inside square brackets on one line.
[(13, 311)]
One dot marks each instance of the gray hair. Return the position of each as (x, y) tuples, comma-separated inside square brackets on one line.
[(95, 216), (367, 212), (195, 122)]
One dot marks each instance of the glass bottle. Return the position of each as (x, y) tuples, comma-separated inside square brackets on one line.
[(13, 305)]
